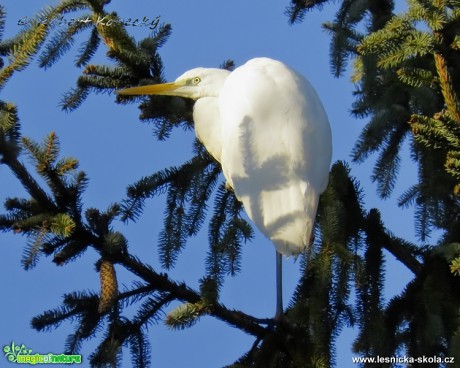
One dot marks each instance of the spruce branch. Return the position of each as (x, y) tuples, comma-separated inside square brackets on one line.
[(9, 128), (185, 316), (450, 97), (88, 49), (161, 282), (140, 349), (23, 51), (2, 27), (74, 304), (227, 231), (27, 44), (28, 182), (46, 156), (62, 41), (30, 257), (298, 8), (401, 249), (151, 308), (455, 266), (345, 37)]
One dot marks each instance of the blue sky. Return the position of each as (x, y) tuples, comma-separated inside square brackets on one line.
[(205, 33)]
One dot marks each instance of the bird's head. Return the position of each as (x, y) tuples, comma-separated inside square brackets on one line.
[(194, 84)]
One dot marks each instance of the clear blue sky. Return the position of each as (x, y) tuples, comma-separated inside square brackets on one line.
[(205, 33)]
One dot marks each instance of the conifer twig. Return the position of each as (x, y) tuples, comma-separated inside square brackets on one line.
[(162, 282), (29, 183), (448, 93)]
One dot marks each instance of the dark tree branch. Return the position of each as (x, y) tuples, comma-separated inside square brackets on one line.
[(29, 183), (396, 246), (159, 282), (162, 282)]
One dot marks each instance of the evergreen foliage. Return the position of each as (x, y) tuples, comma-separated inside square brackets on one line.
[(406, 77)]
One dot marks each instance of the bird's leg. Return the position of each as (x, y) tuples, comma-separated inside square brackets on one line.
[(279, 287)]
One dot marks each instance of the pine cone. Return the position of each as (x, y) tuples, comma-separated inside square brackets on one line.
[(109, 286)]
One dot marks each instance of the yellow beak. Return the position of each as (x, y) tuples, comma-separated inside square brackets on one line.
[(166, 89)]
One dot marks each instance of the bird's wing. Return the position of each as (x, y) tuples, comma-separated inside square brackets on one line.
[(276, 149)]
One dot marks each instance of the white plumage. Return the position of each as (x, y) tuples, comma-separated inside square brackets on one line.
[(267, 127)]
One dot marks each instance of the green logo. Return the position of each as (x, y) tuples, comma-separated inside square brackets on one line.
[(21, 355)]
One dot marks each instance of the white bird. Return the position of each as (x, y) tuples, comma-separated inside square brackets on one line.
[(267, 127)]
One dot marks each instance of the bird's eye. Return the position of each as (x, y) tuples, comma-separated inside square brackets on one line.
[(196, 80)]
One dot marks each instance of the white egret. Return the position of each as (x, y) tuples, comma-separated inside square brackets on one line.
[(267, 127)]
